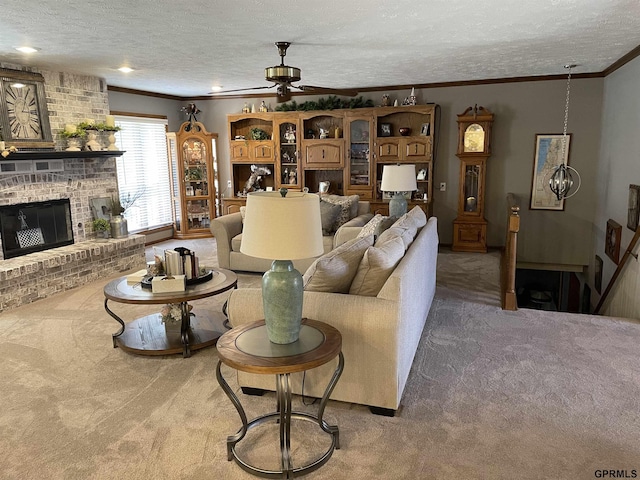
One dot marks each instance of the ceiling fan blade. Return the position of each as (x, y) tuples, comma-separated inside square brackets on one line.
[(348, 92), (242, 89)]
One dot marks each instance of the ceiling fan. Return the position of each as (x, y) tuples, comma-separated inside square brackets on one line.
[(283, 77)]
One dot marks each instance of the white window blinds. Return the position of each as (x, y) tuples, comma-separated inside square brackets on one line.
[(143, 171)]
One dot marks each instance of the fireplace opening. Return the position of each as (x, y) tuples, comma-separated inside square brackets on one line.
[(33, 227)]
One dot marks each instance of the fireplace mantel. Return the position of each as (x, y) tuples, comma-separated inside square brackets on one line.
[(56, 154)]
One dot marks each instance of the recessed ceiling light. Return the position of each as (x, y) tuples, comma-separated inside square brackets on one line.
[(17, 85), (125, 69), (216, 88), (27, 49)]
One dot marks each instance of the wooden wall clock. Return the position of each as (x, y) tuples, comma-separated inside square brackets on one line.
[(24, 118), (474, 148)]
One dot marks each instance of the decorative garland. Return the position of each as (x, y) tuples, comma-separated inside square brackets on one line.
[(331, 102)]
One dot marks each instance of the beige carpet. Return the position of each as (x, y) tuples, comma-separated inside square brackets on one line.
[(492, 395)]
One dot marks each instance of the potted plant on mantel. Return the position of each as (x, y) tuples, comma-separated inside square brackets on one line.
[(101, 227)]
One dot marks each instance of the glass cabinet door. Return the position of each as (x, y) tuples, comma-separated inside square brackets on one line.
[(471, 187), (359, 152), (288, 140), (196, 182)]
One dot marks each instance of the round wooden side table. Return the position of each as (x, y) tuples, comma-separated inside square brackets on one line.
[(247, 348), (147, 335)]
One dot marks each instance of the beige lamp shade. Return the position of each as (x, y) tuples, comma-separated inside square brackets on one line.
[(282, 228), (398, 178)]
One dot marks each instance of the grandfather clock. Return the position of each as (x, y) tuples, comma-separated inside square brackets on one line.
[(474, 148)]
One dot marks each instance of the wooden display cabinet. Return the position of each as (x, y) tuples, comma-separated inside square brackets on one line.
[(192, 152), (474, 148), (382, 207), (350, 157), (232, 205)]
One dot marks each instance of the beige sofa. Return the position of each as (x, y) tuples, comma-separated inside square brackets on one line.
[(227, 231), (380, 334)]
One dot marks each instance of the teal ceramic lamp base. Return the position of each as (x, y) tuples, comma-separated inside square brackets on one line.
[(397, 205), (282, 302)]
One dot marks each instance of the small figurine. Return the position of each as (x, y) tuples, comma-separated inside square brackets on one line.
[(324, 132), (246, 108), (292, 176), (290, 134), (386, 100), (263, 107)]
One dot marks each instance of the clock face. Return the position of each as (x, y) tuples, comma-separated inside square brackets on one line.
[(23, 112), (474, 138)]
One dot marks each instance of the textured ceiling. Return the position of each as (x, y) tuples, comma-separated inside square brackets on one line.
[(183, 48)]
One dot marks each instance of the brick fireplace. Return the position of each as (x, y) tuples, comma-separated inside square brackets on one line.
[(70, 98)]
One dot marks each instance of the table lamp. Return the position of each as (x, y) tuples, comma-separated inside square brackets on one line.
[(282, 226), (398, 179)]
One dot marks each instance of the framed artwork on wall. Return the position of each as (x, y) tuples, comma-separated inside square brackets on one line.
[(24, 118), (547, 157), (597, 274), (634, 203), (101, 208), (612, 240)]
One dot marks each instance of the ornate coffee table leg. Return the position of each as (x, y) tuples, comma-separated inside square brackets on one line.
[(184, 329), (118, 319)]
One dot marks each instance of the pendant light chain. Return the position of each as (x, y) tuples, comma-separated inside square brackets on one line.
[(566, 113)]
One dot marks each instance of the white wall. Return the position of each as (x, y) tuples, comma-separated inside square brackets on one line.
[(619, 166)]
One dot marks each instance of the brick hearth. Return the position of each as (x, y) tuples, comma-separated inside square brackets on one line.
[(38, 275)]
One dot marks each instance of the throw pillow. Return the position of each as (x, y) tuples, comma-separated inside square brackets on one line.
[(376, 267), (334, 271), (406, 234), (243, 212), (376, 226), (417, 215), (348, 205), (328, 215)]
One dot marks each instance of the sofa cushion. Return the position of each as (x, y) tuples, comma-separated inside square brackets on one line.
[(348, 205), (376, 266), (328, 215), (334, 271), (376, 226), (243, 212)]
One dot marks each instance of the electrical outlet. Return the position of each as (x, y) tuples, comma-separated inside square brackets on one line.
[(228, 183), (443, 186)]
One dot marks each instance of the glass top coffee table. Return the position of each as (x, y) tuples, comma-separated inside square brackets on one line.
[(148, 335)]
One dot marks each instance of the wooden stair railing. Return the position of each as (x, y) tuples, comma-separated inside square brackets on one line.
[(616, 274), (508, 263)]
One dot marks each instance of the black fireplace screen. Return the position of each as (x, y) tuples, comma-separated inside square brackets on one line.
[(32, 227)]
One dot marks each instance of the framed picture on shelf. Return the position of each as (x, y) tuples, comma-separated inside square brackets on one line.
[(634, 204), (597, 274), (547, 157), (425, 130), (385, 129), (612, 240)]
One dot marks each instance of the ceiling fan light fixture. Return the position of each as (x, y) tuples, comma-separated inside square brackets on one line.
[(282, 73)]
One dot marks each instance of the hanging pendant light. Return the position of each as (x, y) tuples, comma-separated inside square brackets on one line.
[(562, 180)]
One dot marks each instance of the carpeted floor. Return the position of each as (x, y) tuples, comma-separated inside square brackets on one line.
[(492, 395)]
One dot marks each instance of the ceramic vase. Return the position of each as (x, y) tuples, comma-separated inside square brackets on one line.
[(282, 302), (73, 144)]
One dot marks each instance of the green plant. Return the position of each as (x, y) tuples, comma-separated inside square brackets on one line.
[(103, 127), (100, 225), (258, 134), (331, 102), (77, 134)]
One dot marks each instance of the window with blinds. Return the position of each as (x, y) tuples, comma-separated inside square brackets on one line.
[(143, 171)]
